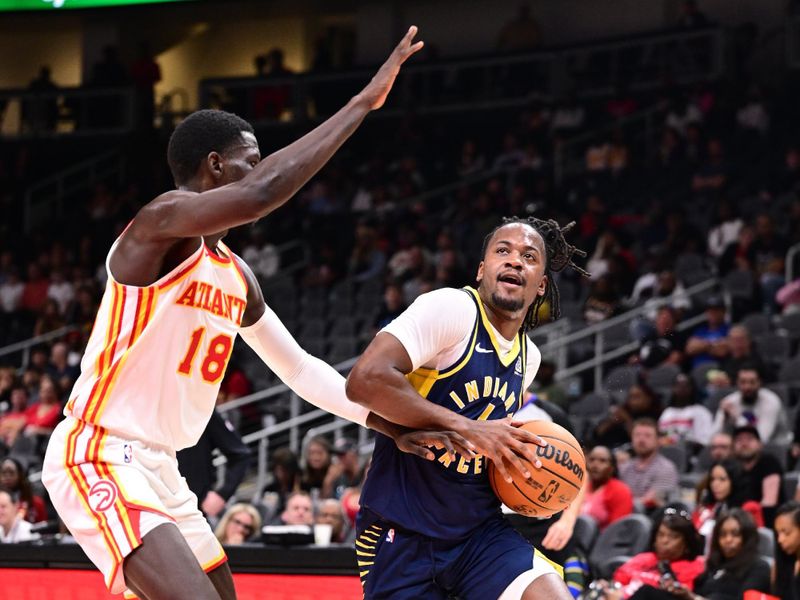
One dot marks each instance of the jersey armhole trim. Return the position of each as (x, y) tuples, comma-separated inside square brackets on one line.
[(167, 280)]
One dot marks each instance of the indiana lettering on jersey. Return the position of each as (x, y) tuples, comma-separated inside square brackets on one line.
[(461, 465), (199, 294), (491, 387), (560, 457)]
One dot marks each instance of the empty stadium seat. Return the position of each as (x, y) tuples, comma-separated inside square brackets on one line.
[(626, 537)]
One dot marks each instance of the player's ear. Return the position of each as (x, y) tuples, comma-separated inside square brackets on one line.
[(479, 275), (542, 286), (214, 164)]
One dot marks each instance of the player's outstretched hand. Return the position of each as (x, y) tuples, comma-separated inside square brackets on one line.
[(378, 89), (420, 442), (504, 443)]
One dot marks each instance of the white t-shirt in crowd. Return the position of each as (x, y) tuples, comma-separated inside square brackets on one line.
[(692, 423)]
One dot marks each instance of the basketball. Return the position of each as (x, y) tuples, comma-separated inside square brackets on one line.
[(553, 487)]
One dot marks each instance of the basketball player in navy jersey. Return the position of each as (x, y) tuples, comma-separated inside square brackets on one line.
[(457, 360)]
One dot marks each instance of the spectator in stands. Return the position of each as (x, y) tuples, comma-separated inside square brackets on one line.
[(317, 462), (733, 565), (753, 116), (59, 368), (788, 296), (262, 256), (684, 420), (786, 582), (330, 513), (196, 465), (720, 447), (344, 472), (753, 405), (520, 33), (725, 230), (664, 344), (83, 310), (650, 476), (607, 498), (40, 114), (285, 480), (741, 352), (367, 260), (49, 319), (674, 541), (546, 386), (13, 422), (603, 301), (682, 112), (392, 306), (60, 290), (299, 510), (13, 528), (569, 116), (42, 416), (145, 74), (763, 472), (14, 478), (11, 291), (725, 489), (240, 523), (712, 176), (739, 255), (770, 250), (615, 430), (34, 294), (708, 342)]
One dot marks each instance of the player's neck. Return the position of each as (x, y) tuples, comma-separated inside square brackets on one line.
[(507, 324)]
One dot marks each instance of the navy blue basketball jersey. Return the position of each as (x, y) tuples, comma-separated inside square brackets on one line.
[(441, 498)]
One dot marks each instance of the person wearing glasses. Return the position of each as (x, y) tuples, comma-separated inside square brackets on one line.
[(675, 556), (238, 525)]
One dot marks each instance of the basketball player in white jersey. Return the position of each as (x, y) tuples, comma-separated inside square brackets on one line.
[(176, 297)]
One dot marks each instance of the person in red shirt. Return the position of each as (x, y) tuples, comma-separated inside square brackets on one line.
[(42, 417), (607, 498), (676, 548)]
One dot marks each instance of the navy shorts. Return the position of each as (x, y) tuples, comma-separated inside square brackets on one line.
[(399, 564)]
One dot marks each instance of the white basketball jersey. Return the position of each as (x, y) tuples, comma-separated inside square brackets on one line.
[(157, 354)]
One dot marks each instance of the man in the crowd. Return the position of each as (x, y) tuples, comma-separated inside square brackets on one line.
[(708, 341), (763, 473), (753, 405), (650, 476), (299, 510)]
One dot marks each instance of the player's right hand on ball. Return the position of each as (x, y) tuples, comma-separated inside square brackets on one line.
[(378, 89), (505, 444), (420, 442)]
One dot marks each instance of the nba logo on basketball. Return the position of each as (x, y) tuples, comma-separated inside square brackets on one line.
[(549, 490), (390, 536), (127, 453)]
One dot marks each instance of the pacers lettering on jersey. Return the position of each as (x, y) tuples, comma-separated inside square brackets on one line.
[(205, 296), (491, 387)]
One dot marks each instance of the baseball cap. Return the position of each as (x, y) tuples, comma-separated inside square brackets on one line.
[(715, 302), (747, 429), (343, 446)]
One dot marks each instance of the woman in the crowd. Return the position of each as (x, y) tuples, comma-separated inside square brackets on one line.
[(317, 462), (786, 584), (724, 490), (240, 523), (733, 565), (14, 478), (615, 430), (13, 528), (607, 498), (285, 480), (676, 549)]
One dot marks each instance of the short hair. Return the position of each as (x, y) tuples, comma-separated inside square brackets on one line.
[(199, 134), (645, 422), (749, 366), (558, 254)]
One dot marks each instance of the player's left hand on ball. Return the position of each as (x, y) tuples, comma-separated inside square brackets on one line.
[(420, 442)]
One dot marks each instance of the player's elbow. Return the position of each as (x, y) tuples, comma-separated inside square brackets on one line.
[(358, 386)]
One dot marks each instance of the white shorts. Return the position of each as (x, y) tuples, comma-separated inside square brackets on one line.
[(110, 492)]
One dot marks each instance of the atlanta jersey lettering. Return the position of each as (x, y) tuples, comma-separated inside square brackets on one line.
[(442, 498), (157, 354)]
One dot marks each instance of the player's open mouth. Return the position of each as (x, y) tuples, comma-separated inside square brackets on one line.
[(511, 279)]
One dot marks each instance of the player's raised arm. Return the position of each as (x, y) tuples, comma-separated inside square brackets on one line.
[(272, 181)]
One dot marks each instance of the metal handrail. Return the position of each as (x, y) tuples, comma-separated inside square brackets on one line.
[(26, 345)]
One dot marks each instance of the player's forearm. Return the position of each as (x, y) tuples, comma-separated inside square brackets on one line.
[(387, 393), (281, 174)]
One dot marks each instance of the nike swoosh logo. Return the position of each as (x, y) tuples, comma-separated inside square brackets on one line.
[(482, 350)]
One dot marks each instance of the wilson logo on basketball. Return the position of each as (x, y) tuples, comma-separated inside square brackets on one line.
[(560, 457), (102, 495)]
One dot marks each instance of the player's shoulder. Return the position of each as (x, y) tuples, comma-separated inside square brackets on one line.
[(147, 222), (446, 299)]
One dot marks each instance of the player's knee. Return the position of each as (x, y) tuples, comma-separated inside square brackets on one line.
[(547, 587)]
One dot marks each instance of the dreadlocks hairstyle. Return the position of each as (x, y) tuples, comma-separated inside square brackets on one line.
[(559, 255), (199, 134)]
